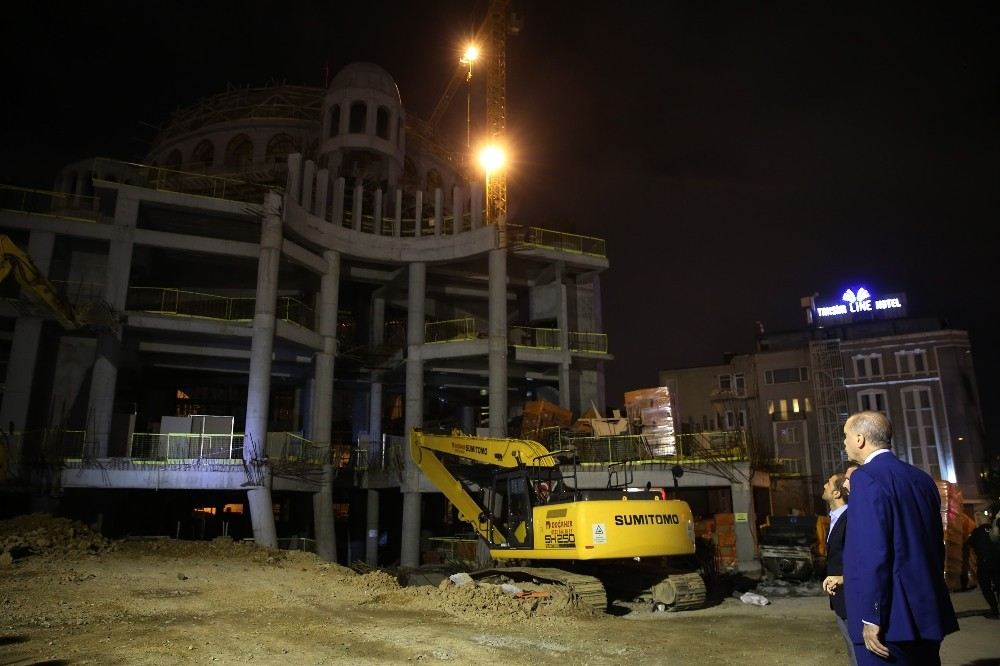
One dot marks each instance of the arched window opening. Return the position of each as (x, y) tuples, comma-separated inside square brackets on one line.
[(239, 152), (279, 147), (359, 117), (173, 158), (382, 123), (434, 180), (204, 154), (334, 120)]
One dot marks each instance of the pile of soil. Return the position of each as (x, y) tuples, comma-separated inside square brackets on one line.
[(42, 534)]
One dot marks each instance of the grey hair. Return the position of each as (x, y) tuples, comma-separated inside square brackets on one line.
[(874, 426)]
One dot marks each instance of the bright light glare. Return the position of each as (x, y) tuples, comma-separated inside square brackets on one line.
[(471, 53), (492, 158)]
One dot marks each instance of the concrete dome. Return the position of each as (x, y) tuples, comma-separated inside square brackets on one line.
[(366, 75)]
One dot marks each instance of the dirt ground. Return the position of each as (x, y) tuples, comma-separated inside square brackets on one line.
[(68, 596)]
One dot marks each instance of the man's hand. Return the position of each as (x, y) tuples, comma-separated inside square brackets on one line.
[(832, 583), (872, 642)]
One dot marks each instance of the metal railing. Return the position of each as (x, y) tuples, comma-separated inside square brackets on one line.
[(466, 328), (183, 182), (555, 240), (536, 338), (184, 446), (46, 445), (182, 303), (49, 204), (291, 447), (698, 448), (595, 343)]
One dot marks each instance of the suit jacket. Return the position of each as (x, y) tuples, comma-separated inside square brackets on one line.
[(894, 554), (835, 563)]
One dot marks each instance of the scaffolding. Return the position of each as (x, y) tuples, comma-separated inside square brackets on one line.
[(831, 402)]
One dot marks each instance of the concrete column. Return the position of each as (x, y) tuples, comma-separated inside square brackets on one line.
[(476, 204), (371, 520), (308, 181), (357, 210), (324, 370), (24, 345), (338, 202), (377, 213), (563, 324), (457, 209), (438, 216), (414, 414), (322, 190), (323, 522), (375, 416), (258, 394), (397, 227), (746, 556), (418, 218), (293, 183), (105, 372), (378, 319), (498, 342)]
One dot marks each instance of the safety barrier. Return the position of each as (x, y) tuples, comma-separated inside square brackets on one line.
[(181, 303), (595, 343), (466, 328), (49, 204), (183, 182), (561, 241)]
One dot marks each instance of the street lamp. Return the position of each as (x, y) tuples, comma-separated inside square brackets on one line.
[(471, 53)]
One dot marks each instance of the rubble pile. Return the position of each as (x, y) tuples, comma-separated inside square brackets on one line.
[(43, 534)]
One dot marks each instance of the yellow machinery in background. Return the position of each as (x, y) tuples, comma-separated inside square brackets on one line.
[(629, 542), (14, 260)]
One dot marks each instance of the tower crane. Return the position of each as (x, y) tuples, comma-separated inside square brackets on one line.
[(492, 35)]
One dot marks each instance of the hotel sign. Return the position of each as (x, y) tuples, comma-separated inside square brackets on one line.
[(860, 304)]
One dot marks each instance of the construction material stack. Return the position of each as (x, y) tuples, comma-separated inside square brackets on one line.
[(541, 415), (650, 414)]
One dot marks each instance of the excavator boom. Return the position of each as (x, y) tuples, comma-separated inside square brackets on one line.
[(14, 260)]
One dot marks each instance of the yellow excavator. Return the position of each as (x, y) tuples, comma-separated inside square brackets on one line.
[(626, 542), (14, 260)]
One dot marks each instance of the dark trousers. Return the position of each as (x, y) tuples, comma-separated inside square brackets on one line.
[(903, 653), (989, 583)]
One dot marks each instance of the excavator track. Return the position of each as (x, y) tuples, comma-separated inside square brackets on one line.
[(680, 592), (585, 591)]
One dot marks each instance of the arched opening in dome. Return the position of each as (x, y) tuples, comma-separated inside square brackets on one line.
[(239, 152), (382, 123), (173, 158), (359, 117), (279, 147), (334, 119), (204, 154)]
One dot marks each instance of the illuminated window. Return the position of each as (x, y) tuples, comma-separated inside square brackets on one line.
[(783, 409), (809, 406), (795, 405), (770, 407), (181, 395)]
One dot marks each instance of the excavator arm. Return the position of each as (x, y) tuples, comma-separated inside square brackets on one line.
[(14, 260), (428, 451)]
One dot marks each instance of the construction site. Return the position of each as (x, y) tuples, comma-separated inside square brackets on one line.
[(297, 364)]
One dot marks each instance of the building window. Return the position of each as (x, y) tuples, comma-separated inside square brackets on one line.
[(725, 382), (740, 384), (382, 123), (789, 440), (921, 433), (741, 419), (279, 147), (239, 152), (786, 375), (867, 365), (334, 120), (735, 384), (359, 118), (874, 401), (911, 362), (204, 154)]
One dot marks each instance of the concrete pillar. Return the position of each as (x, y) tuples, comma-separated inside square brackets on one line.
[(322, 191), (24, 345), (476, 204), (418, 217), (563, 324), (357, 209), (469, 420), (457, 209), (258, 394), (338, 202), (105, 373), (324, 369), (371, 532), (438, 215), (498, 342), (323, 522), (414, 414), (326, 536), (397, 226), (293, 183), (308, 181), (746, 556), (377, 213), (375, 417), (378, 319)]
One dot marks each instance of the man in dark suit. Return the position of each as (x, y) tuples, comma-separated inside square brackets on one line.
[(898, 609), (835, 494)]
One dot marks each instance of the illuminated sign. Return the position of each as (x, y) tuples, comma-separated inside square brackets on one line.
[(860, 304)]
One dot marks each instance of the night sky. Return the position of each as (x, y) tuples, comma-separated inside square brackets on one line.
[(735, 156)]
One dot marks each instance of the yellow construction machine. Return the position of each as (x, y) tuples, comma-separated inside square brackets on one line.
[(620, 541)]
